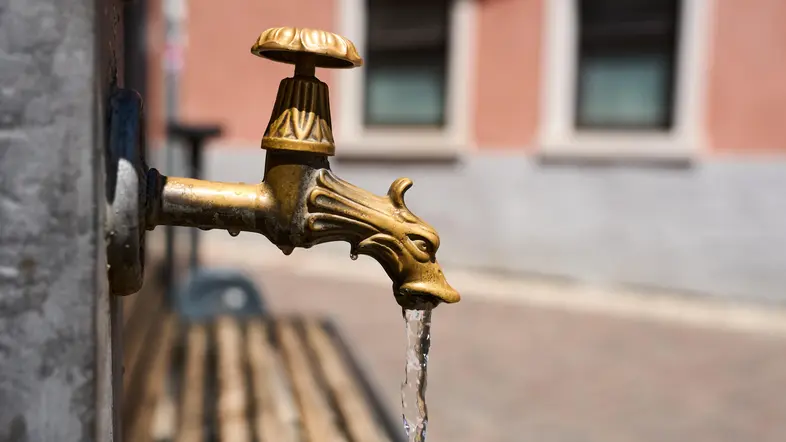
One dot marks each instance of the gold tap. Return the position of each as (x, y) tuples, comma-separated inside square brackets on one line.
[(301, 202)]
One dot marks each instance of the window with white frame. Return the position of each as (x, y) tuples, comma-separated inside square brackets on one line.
[(406, 58), (626, 66), (624, 77), (412, 96)]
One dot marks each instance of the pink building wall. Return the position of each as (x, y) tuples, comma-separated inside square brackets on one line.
[(222, 82), (746, 109), (508, 72)]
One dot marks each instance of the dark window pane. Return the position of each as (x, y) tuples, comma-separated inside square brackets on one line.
[(407, 24), (406, 62), (627, 57)]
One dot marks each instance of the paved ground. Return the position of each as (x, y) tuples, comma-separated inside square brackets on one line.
[(504, 371)]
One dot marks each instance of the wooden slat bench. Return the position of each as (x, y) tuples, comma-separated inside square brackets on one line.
[(252, 379), (148, 336), (283, 379)]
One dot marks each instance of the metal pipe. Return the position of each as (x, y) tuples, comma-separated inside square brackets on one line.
[(205, 204)]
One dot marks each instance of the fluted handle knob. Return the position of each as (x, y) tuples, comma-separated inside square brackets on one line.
[(301, 114), (306, 48)]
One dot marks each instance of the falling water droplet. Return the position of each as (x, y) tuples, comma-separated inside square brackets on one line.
[(233, 232), (353, 256), (286, 250)]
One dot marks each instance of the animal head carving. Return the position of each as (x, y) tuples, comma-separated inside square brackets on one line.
[(385, 229)]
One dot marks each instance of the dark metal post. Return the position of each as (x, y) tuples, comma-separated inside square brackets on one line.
[(195, 172), (194, 137), (174, 14)]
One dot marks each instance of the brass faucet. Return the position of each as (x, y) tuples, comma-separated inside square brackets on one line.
[(301, 202)]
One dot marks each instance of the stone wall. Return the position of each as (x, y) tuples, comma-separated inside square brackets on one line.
[(55, 352)]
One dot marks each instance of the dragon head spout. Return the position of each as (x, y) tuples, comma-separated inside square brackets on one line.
[(385, 229)]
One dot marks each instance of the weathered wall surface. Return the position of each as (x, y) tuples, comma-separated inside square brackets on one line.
[(54, 377)]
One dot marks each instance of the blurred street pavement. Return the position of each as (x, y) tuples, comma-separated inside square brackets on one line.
[(549, 367)]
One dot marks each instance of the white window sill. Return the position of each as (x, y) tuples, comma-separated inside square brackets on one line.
[(411, 144), (391, 151), (620, 147)]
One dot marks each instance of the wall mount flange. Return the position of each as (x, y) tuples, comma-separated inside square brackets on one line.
[(126, 193)]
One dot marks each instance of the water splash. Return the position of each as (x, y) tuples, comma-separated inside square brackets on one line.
[(413, 389)]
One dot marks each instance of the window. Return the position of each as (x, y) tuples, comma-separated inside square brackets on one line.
[(406, 62), (625, 78), (413, 96), (627, 53)]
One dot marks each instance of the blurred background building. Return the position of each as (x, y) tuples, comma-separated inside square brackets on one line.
[(611, 142)]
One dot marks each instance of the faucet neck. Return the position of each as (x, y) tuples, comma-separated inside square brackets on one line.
[(301, 116), (289, 176), (305, 66)]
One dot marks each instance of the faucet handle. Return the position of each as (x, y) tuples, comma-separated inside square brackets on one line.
[(301, 115), (307, 49)]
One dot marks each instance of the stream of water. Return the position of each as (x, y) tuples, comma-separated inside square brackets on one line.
[(413, 389)]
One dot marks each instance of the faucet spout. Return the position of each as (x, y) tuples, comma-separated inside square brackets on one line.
[(301, 202), (301, 206), (383, 228)]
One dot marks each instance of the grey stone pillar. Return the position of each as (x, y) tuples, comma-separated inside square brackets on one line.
[(58, 61)]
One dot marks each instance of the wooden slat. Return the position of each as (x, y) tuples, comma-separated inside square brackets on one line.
[(318, 419), (349, 398), (138, 429), (192, 397), (276, 416), (302, 391), (163, 426), (232, 401)]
